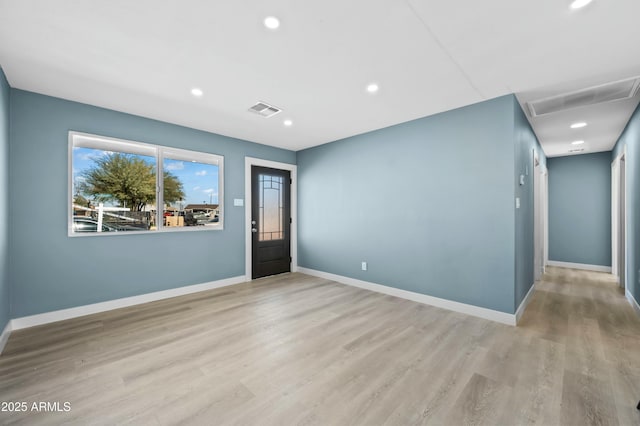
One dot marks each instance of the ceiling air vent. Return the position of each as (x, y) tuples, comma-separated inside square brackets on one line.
[(576, 150), (265, 109), (616, 91)]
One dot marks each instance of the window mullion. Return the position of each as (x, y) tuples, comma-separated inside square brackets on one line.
[(159, 189)]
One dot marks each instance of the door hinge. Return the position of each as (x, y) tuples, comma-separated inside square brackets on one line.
[(290, 220), (290, 181), (290, 259)]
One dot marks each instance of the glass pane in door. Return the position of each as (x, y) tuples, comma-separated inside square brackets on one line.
[(271, 218)]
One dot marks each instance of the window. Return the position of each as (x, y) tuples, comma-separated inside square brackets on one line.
[(115, 187)]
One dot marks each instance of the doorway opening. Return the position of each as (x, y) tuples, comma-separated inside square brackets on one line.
[(619, 219), (539, 218)]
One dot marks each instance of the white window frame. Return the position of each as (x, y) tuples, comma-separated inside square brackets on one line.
[(159, 152)]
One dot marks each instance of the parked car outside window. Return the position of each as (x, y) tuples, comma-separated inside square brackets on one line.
[(86, 224)]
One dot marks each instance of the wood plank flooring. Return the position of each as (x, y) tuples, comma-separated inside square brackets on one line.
[(294, 349)]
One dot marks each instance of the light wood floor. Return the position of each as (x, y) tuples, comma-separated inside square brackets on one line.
[(295, 349)]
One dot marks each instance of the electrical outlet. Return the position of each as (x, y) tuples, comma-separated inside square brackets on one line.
[(364, 266)]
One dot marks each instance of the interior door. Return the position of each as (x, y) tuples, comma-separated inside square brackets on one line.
[(271, 221)]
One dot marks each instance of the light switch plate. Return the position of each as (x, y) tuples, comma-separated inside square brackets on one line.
[(238, 202), (517, 202)]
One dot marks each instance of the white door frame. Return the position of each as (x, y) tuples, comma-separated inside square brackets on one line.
[(615, 205), (248, 253), (545, 218), (538, 244), (618, 229)]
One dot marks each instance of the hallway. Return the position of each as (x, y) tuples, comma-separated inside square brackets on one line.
[(586, 317)]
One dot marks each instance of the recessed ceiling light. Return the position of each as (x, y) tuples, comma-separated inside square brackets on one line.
[(197, 92), (372, 88), (578, 125), (271, 22), (577, 4), (577, 143), (288, 123)]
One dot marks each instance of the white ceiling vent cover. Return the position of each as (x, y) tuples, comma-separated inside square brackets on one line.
[(616, 91), (265, 110)]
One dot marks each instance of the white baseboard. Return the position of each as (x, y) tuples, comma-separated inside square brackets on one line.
[(633, 302), (525, 303), (4, 337), (597, 268), (79, 311), (476, 311)]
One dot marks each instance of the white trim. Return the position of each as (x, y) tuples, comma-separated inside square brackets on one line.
[(619, 219), (476, 311), (615, 203), (597, 268), (4, 337), (633, 302), (525, 303), (545, 214), (538, 243), (622, 181), (79, 311), (248, 162)]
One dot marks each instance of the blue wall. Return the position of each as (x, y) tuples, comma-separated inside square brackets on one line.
[(50, 270), (5, 314), (429, 204), (525, 143), (631, 139), (580, 209)]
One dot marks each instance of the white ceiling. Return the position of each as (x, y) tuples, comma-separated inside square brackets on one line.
[(605, 121), (144, 56)]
